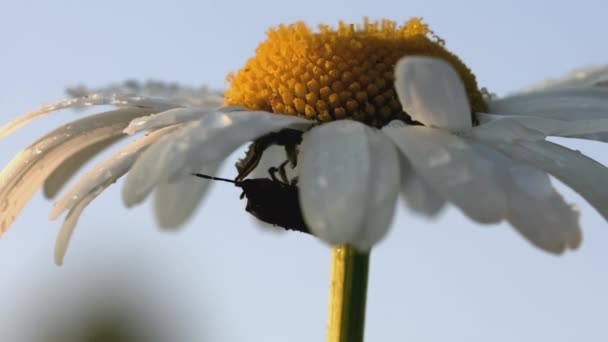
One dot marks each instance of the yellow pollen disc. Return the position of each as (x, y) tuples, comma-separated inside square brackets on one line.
[(334, 74)]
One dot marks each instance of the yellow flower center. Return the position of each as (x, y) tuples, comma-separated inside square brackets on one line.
[(338, 73)]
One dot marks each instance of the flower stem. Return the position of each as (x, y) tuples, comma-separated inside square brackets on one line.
[(348, 290)]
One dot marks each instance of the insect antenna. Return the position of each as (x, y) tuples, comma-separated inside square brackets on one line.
[(201, 175)]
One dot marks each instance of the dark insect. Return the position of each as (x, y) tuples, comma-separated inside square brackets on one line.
[(271, 200)]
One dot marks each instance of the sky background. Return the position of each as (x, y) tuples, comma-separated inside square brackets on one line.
[(224, 279)]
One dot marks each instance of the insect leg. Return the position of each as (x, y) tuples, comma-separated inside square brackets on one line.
[(272, 171), (283, 172)]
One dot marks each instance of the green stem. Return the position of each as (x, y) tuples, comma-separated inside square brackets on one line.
[(348, 289)]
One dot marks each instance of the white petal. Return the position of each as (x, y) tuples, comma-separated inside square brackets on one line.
[(153, 168), (383, 190), (420, 197), (92, 185), (85, 101), (349, 181), (431, 92), (503, 129), (64, 172), (164, 119), (562, 104), (199, 143), (176, 201), (417, 193), (201, 97), (335, 167), (581, 78), (453, 169), (65, 234), (594, 136), (583, 174), (29, 169), (535, 208), (106, 172), (528, 128)]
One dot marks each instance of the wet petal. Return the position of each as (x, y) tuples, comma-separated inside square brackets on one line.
[(561, 104), (85, 101), (582, 78), (164, 119), (431, 92), (209, 140), (529, 127), (67, 229), (349, 181), (30, 168), (92, 184), (503, 129), (64, 172), (202, 97), (106, 172), (583, 174), (452, 167)]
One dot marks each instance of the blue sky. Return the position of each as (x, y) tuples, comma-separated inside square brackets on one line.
[(431, 280)]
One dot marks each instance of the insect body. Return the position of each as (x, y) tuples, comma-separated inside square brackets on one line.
[(274, 202), (271, 200)]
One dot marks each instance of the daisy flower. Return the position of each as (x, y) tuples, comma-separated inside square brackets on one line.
[(371, 112)]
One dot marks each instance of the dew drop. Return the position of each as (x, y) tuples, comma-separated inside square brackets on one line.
[(439, 158)]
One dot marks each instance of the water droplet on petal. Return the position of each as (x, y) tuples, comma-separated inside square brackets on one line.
[(439, 158)]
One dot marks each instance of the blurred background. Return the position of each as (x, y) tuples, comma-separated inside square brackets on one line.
[(223, 279)]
